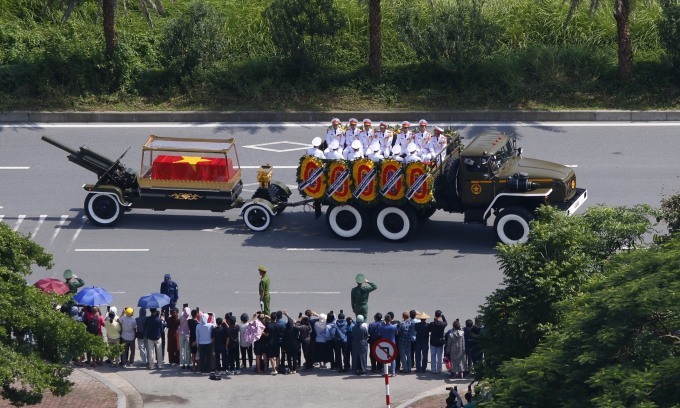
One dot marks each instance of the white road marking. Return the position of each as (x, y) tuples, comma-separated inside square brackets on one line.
[(1, 217), (75, 235), (58, 228), (15, 168), (20, 219), (112, 250), (117, 293), (323, 249), (40, 221), (289, 293), (258, 146), (571, 165)]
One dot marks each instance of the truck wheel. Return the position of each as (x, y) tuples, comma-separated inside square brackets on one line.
[(346, 221), (257, 217), (395, 223), (102, 209), (512, 225)]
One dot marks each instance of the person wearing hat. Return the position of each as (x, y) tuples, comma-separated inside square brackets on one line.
[(356, 151), (367, 135), (375, 152), (412, 153), (264, 290), (422, 136), (335, 132), (359, 346), (404, 137), (333, 153), (169, 287), (128, 334), (422, 342), (396, 153), (315, 149), (360, 294), (73, 282), (384, 136), (352, 133)]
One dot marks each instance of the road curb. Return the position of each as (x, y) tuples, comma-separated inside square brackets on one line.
[(128, 396), (441, 390), (313, 116)]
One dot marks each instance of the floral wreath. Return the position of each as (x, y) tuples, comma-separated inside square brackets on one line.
[(422, 196), (315, 190), (343, 193), (360, 169)]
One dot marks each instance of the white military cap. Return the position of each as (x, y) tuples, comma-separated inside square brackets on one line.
[(356, 145), (375, 146), (422, 122), (438, 129), (334, 144), (335, 120), (412, 147), (367, 120), (316, 142), (396, 149)]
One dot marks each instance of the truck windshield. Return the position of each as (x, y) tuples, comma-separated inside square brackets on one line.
[(505, 152)]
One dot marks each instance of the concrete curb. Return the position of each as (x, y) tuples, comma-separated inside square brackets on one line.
[(128, 396), (441, 390), (310, 116)]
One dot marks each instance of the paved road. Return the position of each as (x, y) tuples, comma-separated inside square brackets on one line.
[(213, 257)]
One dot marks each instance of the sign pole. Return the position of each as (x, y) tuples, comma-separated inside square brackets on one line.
[(387, 384), (385, 351)]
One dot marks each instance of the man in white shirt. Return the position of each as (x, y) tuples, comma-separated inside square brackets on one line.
[(367, 135), (422, 136), (335, 132), (356, 152), (314, 150), (405, 136), (412, 154), (375, 155), (396, 153), (352, 133), (333, 153)]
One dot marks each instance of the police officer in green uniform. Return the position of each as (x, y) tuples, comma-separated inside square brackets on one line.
[(360, 295), (264, 290), (73, 282)]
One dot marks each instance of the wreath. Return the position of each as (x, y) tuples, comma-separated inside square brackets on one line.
[(391, 180), (338, 182), (418, 183), (364, 189), (311, 178)]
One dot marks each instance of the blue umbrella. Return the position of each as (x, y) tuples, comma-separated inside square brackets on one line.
[(93, 296), (154, 301)]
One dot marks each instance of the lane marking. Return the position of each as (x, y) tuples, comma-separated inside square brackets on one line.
[(15, 168), (323, 249), (58, 228), (303, 146), (289, 293), (111, 250), (20, 219), (571, 165), (40, 221), (75, 235)]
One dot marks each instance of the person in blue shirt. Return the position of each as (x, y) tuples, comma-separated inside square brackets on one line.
[(389, 331)]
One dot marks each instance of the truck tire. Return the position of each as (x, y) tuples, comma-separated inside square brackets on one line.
[(347, 221), (396, 223), (102, 209), (257, 217), (512, 225)]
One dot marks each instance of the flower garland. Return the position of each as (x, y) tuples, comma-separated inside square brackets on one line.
[(364, 189), (311, 178), (418, 183), (391, 180), (337, 190)]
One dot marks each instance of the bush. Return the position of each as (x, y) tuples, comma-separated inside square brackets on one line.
[(301, 31), (458, 33), (669, 30)]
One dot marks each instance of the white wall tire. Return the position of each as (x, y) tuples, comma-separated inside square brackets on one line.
[(257, 217), (102, 209), (395, 223), (346, 221), (512, 225)]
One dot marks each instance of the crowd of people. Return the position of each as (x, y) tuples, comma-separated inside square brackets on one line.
[(353, 142), (277, 343)]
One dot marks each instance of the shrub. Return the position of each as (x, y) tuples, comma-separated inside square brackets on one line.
[(669, 30)]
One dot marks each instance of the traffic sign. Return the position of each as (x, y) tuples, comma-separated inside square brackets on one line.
[(384, 350)]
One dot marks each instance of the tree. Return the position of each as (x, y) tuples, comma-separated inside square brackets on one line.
[(618, 345), (375, 37), (562, 253), (622, 10), (109, 14), (35, 338)]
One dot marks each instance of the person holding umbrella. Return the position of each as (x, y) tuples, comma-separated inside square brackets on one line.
[(73, 282)]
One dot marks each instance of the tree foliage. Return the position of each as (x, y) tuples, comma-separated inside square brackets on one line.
[(35, 338), (618, 344), (561, 255), (669, 30)]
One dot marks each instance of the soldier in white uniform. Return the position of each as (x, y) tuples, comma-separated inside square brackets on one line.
[(412, 153), (405, 137), (314, 150), (367, 135), (396, 153), (355, 152), (335, 132), (441, 143), (375, 155), (333, 151), (422, 136), (352, 132)]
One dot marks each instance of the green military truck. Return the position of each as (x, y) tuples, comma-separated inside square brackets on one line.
[(488, 176)]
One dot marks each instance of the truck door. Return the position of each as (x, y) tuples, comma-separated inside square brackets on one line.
[(477, 184)]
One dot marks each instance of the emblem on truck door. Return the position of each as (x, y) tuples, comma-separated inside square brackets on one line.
[(476, 188)]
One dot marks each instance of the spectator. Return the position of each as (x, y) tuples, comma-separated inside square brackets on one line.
[(204, 343), (113, 329), (389, 331), (455, 349), (128, 333), (141, 336), (340, 343), (291, 344), (274, 334), (255, 333), (173, 337), (220, 338), (321, 353), (436, 329), (153, 330), (193, 346), (330, 338), (421, 343), (245, 345), (359, 346), (233, 337), (373, 336), (304, 329), (183, 333), (404, 335)]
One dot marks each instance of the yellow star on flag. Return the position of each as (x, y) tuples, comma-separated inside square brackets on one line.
[(192, 160)]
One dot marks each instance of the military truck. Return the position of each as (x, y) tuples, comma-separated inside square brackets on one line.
[(488, 176)]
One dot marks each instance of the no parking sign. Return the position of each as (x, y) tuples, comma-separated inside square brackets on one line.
[(385, 351)]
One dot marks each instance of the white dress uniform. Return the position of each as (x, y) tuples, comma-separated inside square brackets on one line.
[(351, 134), (429, 151), (335, 133), (421, 138), (396, 153), (366, 137), (403, 139), (412, 154), (334, 154)]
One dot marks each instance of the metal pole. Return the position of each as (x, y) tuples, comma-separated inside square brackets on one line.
[(387, 384)]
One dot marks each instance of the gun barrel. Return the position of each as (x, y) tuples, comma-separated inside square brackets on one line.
[(59, 145)]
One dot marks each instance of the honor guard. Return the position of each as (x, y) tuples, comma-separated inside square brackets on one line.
[(396, 153), (333, 151), (422, 136), (352, 133), (355, 152), (376, 153), (335, 131), (404, 137), (412, 154), (367, 135), (315, 150)]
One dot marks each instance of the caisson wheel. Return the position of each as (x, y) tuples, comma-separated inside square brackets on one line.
[(512, 225), (257, 217), (396, 223), (346, 221), (102, 209)]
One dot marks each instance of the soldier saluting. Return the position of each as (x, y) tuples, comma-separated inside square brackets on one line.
[(360, 295)]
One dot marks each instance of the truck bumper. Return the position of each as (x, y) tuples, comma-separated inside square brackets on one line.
[(576, 201)]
